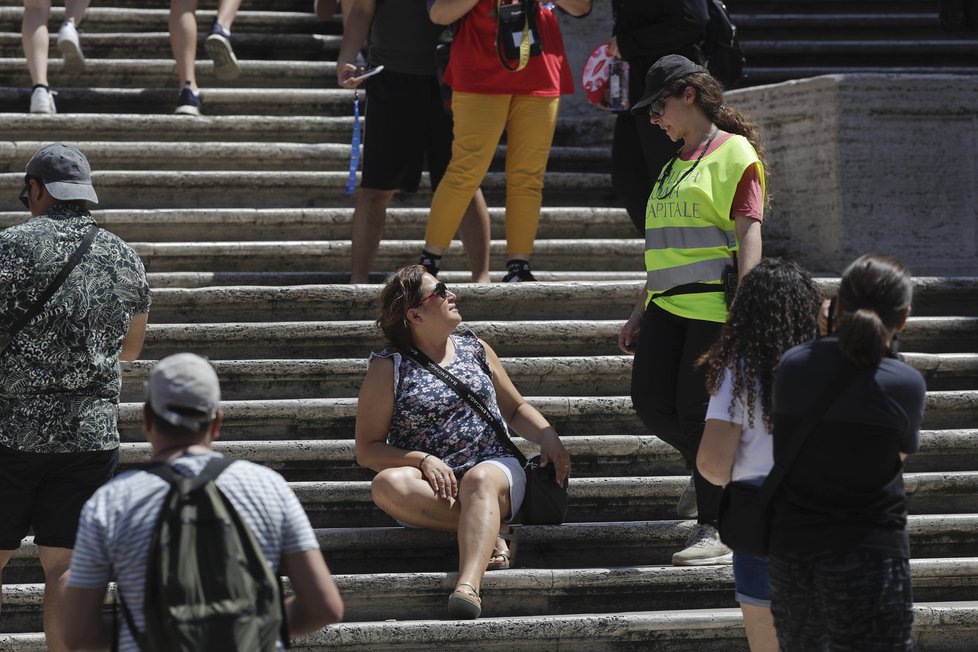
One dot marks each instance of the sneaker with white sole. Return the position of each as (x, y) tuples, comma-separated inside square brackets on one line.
[(703, 548), (188, 102), (218, 46), (686, 507), (70, 48), (42, 100)]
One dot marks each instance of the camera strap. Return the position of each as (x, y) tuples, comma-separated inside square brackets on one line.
[(351, 182), (524, 41)]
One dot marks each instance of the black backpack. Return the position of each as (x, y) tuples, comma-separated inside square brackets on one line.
[(724, 57), (208, 586)]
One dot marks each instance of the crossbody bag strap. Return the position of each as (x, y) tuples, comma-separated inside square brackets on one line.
[(802, 430), (467, 395), (56, 282)]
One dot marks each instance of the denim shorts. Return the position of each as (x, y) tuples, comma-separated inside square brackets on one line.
[(753, 585)]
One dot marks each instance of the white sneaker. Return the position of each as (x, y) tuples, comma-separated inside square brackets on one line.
[(42, 100), (70, 48), (703, 548)]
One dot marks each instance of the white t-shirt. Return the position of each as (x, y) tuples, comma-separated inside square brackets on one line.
[(755, 453), (116, 527)]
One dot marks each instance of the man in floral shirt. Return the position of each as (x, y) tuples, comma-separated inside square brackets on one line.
[(60, 375)]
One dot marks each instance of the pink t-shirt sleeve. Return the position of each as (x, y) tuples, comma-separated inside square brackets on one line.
[(748, 201)]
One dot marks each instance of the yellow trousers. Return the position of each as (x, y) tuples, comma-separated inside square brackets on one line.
[(479, 123)]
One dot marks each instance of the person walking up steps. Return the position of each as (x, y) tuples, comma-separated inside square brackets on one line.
[(183, 41), (34, 37)]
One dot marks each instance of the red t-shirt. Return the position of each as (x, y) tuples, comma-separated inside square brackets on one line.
[(748, 201), (474, 66)]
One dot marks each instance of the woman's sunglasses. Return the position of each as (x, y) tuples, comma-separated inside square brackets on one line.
[(659, 105), (440, 290)]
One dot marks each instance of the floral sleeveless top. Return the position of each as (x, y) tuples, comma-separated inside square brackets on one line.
[(429, 416)]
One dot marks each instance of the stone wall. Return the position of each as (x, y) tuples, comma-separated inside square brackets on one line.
[(863, 163)]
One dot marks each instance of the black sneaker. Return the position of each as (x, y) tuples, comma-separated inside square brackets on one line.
[(218, 46), (430, 262), (518, 271), (188, 103)]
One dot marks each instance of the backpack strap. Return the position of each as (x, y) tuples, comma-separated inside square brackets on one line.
[(211, 470)]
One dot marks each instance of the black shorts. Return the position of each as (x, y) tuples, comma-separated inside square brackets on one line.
[(47, 491), (406, 126)]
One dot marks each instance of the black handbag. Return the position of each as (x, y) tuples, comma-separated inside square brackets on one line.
[(744, 515), (545, 501)]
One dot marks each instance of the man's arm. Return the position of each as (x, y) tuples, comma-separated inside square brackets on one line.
[(316, 601), (82, 625), (359, 17), (132, 343)]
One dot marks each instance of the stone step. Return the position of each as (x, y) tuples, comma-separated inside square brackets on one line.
[(693, 630), (529, 592), (524, 301), (100, 46), (334, 255), (593, 456), (126, 19), (333, 418), (221, 279), (333, 339), (243, 225), (554, 376), (299, 189), (161, 73), (255, 156), (571, 545)]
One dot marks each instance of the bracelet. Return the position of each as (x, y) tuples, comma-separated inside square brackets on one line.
[(422, 461), (636, 313)]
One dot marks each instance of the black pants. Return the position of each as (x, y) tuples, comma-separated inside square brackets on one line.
[(669, 393), (639, 150)]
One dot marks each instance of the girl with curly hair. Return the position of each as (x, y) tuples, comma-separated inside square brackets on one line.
[(776, 308)]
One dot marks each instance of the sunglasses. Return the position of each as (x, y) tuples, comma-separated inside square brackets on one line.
[(659, 105), (440, 290), (24, 195)]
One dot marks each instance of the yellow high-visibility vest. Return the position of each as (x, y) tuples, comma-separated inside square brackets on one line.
[(689, 234)]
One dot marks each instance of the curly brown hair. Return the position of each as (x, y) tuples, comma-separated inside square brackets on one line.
[(776, 308), (709, 98), (401, 292)]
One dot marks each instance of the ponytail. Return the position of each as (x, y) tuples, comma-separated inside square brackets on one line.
[(874, 299)]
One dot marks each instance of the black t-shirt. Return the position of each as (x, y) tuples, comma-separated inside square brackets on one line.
[(845, 488)]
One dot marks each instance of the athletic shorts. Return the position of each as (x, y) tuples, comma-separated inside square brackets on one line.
[(46, 492), (407, 129), (517, 484)]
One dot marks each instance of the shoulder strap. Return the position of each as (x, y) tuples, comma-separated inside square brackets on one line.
[(469, 397), (211, 470), (35, 308), (802, 430)]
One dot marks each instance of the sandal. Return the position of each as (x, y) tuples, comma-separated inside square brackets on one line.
[(505, 551), (464, 602)]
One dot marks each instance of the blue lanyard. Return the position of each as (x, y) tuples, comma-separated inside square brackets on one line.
[(351, 182)]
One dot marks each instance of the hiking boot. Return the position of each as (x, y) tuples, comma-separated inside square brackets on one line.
[(70, 48), (703, 548), (218, 46), (518, 271), (42, 100), (686, 507), (188, 103)]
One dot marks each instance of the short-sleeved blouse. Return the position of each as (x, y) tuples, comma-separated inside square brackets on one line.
[(429, 416)]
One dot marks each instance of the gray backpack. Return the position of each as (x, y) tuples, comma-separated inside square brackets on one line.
[(208, 586)]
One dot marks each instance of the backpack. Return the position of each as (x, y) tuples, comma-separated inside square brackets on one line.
[(208, 586), (724, 57)]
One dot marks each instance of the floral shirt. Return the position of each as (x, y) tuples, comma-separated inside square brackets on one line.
[(429, 416), (60, 375)]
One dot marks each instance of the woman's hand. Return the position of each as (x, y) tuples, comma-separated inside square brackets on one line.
[(613, 47), (440, 476), (552, 451), (628, 335)]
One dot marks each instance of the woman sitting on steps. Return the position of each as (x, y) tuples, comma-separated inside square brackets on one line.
[(439, 463)]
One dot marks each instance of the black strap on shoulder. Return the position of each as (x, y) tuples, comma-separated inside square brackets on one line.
[(467, 395), (56, 282), (211, 470), (802, 430)]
